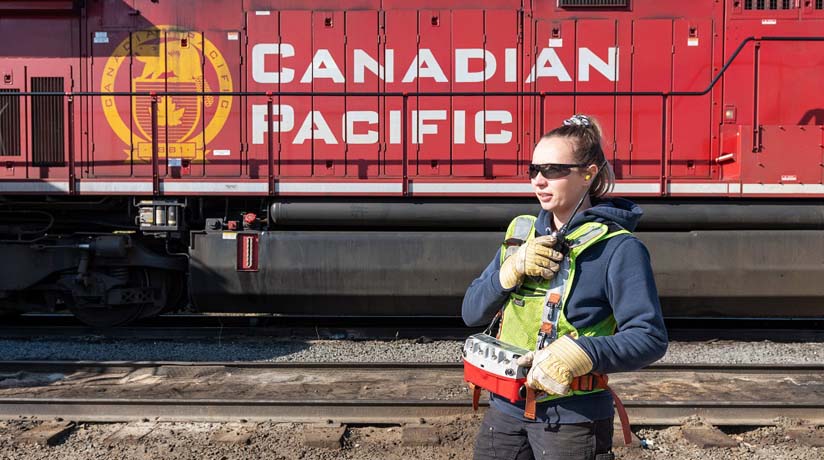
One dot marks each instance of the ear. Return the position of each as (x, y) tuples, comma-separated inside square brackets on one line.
[(591, 172)]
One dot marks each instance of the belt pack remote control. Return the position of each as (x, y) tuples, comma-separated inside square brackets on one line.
[(492, 365)]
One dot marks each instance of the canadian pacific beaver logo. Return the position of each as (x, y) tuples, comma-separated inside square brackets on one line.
[(168, 60)]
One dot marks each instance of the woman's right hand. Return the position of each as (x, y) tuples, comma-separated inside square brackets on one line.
[(536, 257)]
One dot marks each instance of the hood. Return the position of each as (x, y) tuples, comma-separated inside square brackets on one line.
[(619, 210)]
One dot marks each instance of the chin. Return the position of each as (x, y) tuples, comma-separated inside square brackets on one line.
[(546, 206)]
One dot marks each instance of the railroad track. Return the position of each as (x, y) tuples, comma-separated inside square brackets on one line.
[(193, 327), (378, 393)]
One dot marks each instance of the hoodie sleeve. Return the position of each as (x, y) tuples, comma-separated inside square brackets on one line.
[(485, 296), (641, 337)]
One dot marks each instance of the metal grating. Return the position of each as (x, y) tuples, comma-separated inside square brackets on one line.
[(47, 134), (9, 123), (767, 5), (593, 3)]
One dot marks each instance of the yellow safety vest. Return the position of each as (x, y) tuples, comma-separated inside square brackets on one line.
[(523, 311)]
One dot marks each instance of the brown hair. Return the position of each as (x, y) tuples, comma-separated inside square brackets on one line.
[(585, 135)]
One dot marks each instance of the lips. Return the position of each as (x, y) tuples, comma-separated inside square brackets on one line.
[(544, 197)]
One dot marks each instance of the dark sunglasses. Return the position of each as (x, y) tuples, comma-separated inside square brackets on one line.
[(552, 170)]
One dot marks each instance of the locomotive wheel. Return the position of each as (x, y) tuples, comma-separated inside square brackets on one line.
[(105, 316)]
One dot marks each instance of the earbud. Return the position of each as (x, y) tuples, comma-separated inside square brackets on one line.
[(587, 177)]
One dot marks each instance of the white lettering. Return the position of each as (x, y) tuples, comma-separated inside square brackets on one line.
[(349, 120), (424, 66), (462, 57), (323, 66), (364, 126), (419, 128), (501, 116), (459, 127), (587, 59), (364, 61), (320, 131), (395, 127), (259, 53), (286, 123), (554, 69), (511, 65)]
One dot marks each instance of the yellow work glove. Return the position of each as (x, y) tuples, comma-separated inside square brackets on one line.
[(536, 257), (554, 367)]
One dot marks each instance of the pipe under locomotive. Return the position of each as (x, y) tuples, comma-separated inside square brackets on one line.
[(267, 156)]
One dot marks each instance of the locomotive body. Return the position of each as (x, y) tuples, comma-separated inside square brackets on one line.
[(322, 157)]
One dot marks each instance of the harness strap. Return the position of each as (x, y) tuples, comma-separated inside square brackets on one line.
[(476, 395), (592, 381), (531, 403)]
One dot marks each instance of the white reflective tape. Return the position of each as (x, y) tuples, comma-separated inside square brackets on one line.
[(114, 187), (638, 187), (442, 187), (14, 186), (338, 187), (214, 187), (800, 189), (735, 188), (704, 188)]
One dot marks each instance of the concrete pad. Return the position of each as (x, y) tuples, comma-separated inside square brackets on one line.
[(420, 435), (46, 434), (707, 436), (130, 433), (806, 436), (236, 434), (618, 438), (328, 436)]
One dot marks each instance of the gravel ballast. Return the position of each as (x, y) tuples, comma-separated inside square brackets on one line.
[(279, 350)]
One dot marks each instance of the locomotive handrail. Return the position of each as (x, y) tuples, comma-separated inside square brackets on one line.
[(709, 88), (405, 95)]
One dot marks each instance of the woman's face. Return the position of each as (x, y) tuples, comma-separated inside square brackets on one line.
[(559, 195)]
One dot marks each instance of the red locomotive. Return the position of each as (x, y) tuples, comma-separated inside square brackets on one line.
[(315, 157)]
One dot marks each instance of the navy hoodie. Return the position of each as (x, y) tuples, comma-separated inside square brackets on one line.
[(612, 277)]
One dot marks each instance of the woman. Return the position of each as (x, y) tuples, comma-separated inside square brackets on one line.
[(603, 314)]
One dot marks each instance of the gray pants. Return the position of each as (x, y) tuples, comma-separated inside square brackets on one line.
[(503, 437)]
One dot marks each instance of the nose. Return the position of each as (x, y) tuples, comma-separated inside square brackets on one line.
[(540, 181)]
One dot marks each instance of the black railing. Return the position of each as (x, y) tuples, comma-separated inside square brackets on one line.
[(542, 95)]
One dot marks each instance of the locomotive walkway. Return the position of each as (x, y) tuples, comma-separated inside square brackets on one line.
[(378, 393)]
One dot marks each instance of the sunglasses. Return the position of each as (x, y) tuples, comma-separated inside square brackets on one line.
[(552, 170)]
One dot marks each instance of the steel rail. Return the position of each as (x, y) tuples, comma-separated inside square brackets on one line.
[(180, 327), (374, 412), (643, 411), (49, 365)]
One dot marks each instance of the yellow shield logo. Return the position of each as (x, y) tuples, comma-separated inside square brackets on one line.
[(169, 60)]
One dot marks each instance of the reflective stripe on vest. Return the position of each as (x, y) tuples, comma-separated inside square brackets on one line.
[(524, 313), (521, 230)]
